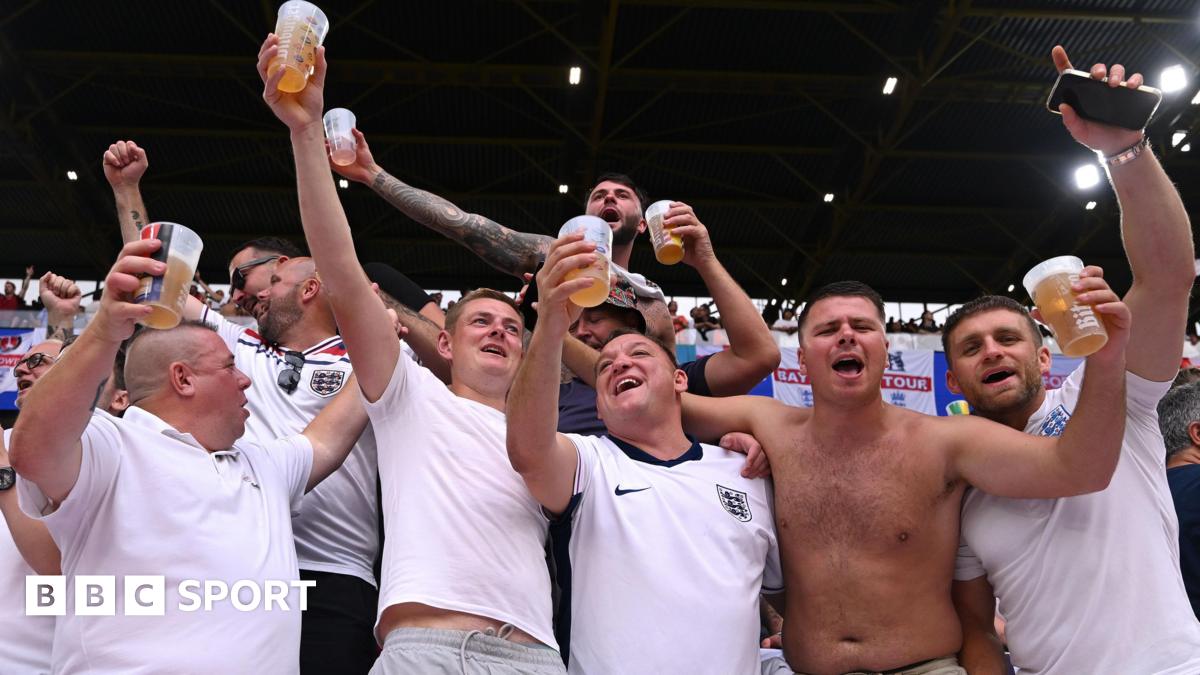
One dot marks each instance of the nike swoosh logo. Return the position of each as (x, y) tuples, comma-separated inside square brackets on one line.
[(620, 492)]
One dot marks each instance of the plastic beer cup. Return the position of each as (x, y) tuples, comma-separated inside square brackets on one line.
[(301, 27), (668, 247), (1077, 327), (169, 293), (342, 147), (598, 232)]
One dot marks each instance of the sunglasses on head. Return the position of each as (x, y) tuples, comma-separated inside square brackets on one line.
[(34, 360), (237, 280), (289, 377)]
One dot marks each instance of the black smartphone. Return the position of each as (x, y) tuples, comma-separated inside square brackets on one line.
[(1096, 101), (531, 296)]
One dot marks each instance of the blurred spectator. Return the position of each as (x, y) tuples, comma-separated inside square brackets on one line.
[(679, 321), (11, 298), (770, 313), (1179, 421), (787, 324), (702, 321), (909, 326), (894, 326), (927, 324), (436, 298)]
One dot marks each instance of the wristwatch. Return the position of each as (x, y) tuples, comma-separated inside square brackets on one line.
[(8, 478)]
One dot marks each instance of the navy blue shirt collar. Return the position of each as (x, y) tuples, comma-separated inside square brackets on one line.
[(695, 452)]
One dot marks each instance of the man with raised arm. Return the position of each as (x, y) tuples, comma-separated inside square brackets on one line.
[(1086, 584), (867, 494), (656, 530), (169, 490), (465, 586)]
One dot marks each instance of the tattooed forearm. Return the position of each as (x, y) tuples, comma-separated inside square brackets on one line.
[(137, 219), (508, 251)]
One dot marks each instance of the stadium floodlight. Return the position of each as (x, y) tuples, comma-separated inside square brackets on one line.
[(1172, 79), (1089, 206), (71, 175), (828, 197), (343, 183), (890, 86), (783, 281), (1196, 99), (1087, 176), (562, 189), (575, 75), (1177, 138), (1187, 147), (1011, 287)]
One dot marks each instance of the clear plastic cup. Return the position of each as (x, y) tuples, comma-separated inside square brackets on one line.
[(343, 149), (1077, 328), (301, 27), (168, 294), (598, 232), (668, 247)]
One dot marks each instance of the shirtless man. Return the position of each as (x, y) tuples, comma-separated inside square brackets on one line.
[(867, 494)]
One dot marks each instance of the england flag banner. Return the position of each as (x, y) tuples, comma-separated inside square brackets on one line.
[(14, 343), (907, 381)]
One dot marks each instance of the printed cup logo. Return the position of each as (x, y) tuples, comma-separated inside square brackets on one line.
[(147, 595), (1082, 315)]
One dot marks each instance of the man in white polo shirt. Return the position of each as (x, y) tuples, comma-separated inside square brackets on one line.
[(465, 587), (665, 547), (170, 491), (1087, 584)]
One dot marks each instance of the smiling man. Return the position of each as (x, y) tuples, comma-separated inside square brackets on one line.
[(627, 554), (867, 494)]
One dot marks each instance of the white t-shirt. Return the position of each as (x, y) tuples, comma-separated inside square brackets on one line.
[(461, 530), (1089, 584), (24, 640), (151, 501), (661, 562), (643, 287), (338, 526)]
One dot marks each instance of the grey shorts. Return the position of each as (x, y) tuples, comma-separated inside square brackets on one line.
[(418, 651)]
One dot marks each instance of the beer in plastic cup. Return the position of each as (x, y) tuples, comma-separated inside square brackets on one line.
[(668, 247), (342, 147), (169, 293), (958, 407), (598, 232), (301, 27), (1077, 327)]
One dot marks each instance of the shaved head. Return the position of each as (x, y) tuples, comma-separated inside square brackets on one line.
[(151, 352), (297, 269)]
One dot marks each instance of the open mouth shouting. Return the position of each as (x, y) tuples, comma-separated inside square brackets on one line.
[(997, 375), (625, 383), (23, 384), (494, 349), (610, 214), (848, 366)]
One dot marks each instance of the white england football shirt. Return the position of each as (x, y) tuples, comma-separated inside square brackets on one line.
[(462, 531), (24, 640), (661, 563), (338, 526), (151, 501), (1089, 584)]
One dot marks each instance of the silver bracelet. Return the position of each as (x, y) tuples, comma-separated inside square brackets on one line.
[(1128, 154)]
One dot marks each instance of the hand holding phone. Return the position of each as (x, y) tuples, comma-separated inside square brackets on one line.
[(1100, 109)]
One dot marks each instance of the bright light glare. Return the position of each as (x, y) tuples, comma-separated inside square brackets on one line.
[(1087, 176), (562, 189), (71, 175), (828, 197), (1172, 79), (1177, 137), (575, 75), (1196, 99), (1089, 206), (783, 281), (1187, 147), (890, 85), (343, 183), (1011, 287)]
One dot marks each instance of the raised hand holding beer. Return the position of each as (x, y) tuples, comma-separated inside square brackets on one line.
[(302, 109), (569, 253), (118, 312), (681, 222), (1071, 305), (363, 169)]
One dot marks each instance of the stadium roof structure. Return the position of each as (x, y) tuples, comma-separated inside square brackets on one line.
[(750, 110)]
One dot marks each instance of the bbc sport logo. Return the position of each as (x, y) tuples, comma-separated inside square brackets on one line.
[(146, 595)]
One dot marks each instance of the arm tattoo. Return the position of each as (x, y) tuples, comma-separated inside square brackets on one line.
[(506, 250), (138, 221)]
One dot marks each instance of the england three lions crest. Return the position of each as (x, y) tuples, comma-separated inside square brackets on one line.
[(327, 382), (735, 502)]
